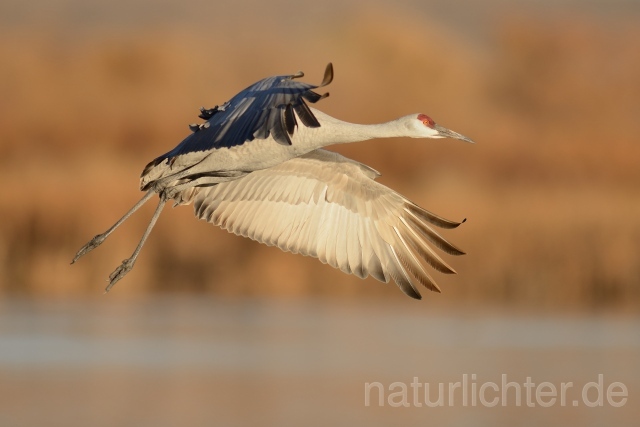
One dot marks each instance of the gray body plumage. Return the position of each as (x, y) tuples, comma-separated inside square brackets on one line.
[(256, 168)]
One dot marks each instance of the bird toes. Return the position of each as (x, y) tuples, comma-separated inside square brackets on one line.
[(119, 273), (93, 243)]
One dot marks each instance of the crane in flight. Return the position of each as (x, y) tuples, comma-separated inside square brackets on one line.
[(253, 170)]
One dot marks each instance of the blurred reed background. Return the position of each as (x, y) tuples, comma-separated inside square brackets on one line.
[(90, 91)]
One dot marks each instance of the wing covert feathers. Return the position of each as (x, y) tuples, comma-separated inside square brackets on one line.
[(264, 109), (328, 206)]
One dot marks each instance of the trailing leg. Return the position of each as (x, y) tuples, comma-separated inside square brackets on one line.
[(128, 263), (97, 240)]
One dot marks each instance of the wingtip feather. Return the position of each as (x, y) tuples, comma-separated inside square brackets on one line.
[(328, 75)]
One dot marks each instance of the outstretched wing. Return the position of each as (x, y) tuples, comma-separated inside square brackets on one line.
[(264, 109), (328, 206)]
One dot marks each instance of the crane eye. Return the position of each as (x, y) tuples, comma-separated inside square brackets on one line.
[(426, 120)]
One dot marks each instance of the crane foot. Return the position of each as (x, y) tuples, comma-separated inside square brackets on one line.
[(93, 243), (119, 273)]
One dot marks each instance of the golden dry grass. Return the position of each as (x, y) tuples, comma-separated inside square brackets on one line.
[(550, 190)]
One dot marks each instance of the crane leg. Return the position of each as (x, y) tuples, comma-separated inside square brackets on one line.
[(128, 263), (98, 239)]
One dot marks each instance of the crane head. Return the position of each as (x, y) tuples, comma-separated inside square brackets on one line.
[(427, 128)]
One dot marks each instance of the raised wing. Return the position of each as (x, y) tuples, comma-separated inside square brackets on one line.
[(328, 206), (264, 109)]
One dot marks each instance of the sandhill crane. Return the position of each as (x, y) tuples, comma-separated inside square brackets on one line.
[(252, 170)]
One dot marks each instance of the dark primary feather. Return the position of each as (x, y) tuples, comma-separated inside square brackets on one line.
[(263, 109)]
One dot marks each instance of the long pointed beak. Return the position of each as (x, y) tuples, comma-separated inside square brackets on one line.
[(446, 133)]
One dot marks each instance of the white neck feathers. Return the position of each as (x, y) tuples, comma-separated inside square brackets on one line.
[(334, 131)]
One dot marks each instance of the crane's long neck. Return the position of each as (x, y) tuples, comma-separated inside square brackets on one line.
[(334, 131)]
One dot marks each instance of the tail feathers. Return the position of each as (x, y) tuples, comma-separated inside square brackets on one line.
[(151, 173), (169, 168)]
